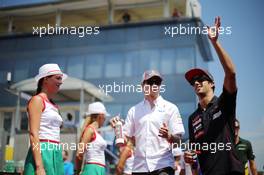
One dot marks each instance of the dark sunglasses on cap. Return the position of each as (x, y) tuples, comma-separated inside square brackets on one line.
[(152, 81), (200, 79)]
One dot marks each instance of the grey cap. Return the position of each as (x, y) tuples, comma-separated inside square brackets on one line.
[(149, 74)]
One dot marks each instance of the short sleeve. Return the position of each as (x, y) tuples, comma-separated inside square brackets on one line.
[(175, 122), (250, 154), (129, 127), (228, 102), (68, 168), (71, 169)]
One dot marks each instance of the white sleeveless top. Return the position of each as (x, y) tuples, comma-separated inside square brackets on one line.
[(50, 122), (94, 153)]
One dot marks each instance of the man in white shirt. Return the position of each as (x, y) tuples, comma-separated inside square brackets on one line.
[(155, 124)]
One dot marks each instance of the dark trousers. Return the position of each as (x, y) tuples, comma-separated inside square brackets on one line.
[(235, 173), (162, 171), (231, 173)]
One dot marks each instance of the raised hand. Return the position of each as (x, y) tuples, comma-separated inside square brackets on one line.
[(114, 120), (164, 132), (213, 32)]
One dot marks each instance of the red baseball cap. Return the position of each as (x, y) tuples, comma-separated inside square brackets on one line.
[(196, 72)]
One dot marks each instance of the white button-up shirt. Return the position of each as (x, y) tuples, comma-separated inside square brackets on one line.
[(151, 151)]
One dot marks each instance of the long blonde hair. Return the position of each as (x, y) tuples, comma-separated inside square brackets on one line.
[(88, 120)]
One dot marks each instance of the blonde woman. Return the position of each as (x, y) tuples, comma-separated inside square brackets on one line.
[(92, 145), (45, 155)]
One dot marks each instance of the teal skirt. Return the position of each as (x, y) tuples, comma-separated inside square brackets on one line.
[(93, 169), (51, 154)]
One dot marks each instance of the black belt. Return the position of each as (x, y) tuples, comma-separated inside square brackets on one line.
[(162, 171)]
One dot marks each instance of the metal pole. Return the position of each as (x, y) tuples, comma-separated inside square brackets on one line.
[(14, 122), (10, 25), (58, 18), (110, 12), (81, 112), (166, 8)]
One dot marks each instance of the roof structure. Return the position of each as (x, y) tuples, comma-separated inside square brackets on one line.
[(70, 90)]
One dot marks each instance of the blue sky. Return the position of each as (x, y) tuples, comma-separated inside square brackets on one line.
[(245, 46)]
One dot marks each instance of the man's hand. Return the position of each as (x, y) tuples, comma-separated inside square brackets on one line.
[(188, 157), (213, 32), (119, 168), (114, 120), (164, 132)]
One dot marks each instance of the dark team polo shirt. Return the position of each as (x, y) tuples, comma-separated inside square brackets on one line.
[(244, 151), (213, 130)]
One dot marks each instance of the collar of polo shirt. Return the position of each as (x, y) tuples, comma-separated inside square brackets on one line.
[(155, 102)]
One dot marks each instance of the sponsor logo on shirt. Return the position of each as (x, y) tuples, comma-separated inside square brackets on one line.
[(197, 127), (199, 134), (242, 147), (161, 108), (216, 115)]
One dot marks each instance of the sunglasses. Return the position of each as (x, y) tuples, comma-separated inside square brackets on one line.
[(153, 81), (237, 126), (200, 79)]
